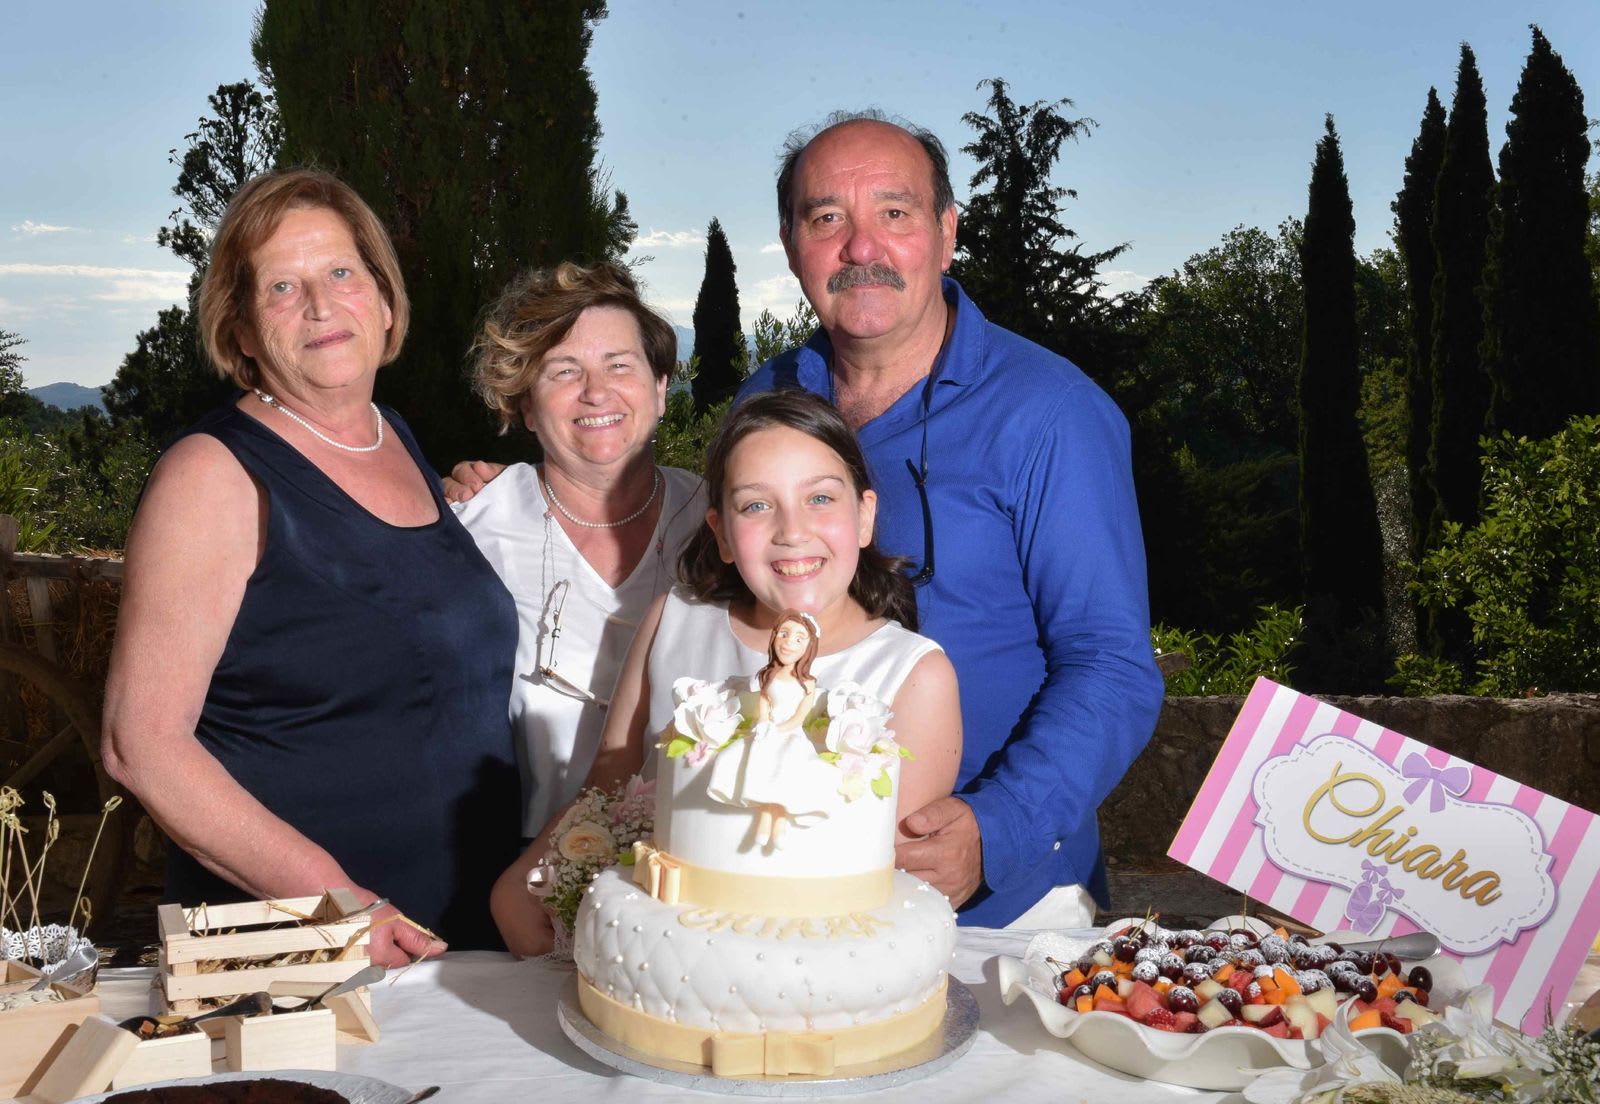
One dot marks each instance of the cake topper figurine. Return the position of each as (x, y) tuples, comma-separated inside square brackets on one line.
[(776, 771)]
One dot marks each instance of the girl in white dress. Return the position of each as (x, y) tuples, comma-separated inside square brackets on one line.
[(788, 528)]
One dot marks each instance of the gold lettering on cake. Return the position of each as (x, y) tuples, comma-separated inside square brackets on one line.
[(1392, 844), (853, 925)]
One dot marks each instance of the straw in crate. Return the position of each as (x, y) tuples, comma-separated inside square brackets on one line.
[(211, 954)]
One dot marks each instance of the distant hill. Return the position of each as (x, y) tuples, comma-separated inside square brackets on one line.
[(67, 396), (685, 342)]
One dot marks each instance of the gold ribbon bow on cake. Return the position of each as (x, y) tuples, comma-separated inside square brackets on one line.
[(657, 872)]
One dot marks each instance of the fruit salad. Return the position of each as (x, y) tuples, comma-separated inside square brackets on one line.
[(1285, 985)]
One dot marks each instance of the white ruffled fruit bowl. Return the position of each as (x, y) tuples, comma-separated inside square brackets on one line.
[(1224, 1058)]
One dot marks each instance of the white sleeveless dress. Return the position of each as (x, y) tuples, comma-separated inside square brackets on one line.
[(770, 767)]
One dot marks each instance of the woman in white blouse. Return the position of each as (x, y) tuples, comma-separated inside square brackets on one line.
[(587, 538)]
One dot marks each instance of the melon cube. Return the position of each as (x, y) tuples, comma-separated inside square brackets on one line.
[(1208, 988), (1262, 1014), (1213, 1014), (1324, 1001), (1124, 987), (1411, 1010), (1298, 1011)]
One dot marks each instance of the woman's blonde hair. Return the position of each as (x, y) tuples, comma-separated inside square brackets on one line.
[(536, 312), (227, 292)]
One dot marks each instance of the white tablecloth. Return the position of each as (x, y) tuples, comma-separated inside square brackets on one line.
[(483, 1027)]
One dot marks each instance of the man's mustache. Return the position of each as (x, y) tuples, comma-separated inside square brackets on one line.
[(859, 275)]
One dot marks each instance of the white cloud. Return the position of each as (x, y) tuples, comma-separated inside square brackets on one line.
[(669, 239), (777, 294), (139, 239), (133, 285), (33, 229), (1119, 280), (772, 247)]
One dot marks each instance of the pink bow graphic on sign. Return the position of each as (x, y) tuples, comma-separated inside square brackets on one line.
[(1421, 772)]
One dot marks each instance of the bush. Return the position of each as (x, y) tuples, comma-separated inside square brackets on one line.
[(1420, 676), (683, 434), (1230, 664), (1527, 575)]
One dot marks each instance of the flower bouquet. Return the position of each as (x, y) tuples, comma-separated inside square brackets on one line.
[(598, 830)]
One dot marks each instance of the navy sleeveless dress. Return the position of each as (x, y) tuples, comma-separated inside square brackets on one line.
[(362, 695)]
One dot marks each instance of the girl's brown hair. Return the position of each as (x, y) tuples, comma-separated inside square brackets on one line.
[(878, 585)]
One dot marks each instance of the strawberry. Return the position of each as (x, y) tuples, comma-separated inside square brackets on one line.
[(1160, 1018)]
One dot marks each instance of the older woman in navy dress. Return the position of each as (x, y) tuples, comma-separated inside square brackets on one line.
[(309, 683)]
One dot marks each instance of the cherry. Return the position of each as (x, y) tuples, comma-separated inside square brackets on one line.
[(1181, 998), (1103, 977), (1367, 989), (1196, 972), (1123, 948), (1231, 1000), (1171, 967), (1420, 978), (1200, 953)]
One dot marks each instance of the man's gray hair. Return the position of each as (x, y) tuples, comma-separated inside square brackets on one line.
[(944, 196)]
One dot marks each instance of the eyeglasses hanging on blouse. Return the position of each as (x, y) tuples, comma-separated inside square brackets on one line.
[(552, 676)]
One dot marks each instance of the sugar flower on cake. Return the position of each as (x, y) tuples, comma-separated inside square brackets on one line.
[(859, 740), (705, 717)]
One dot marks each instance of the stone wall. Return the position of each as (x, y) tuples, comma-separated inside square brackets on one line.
[(1551, 743)]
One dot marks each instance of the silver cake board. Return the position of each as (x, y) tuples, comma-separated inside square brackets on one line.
[(923, 1060)]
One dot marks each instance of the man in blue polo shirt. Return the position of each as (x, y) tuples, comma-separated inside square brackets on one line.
[(1004, 475)]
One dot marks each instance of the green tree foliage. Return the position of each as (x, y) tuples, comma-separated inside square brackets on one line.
[(1541, 343), (1014, 256), (1527, 574), (470, 128), (770, 336), (1340, 546), (10, 363), (166, 382), (1222, 337), (1230, 663), (1463, 199), (1213, 429), (718, 340), (1413, 213)]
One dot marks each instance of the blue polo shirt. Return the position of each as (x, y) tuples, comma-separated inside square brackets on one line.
[(1038, 596)]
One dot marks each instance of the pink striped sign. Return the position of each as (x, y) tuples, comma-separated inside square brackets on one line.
[(1341, 823)]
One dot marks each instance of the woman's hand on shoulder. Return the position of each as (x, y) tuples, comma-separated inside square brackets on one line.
[(469, 477)]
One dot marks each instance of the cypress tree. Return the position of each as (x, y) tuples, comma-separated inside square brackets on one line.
[(1413, 210), (1340, 545), (718, 340), (1542, 329), (470, 128), (1462, 202)]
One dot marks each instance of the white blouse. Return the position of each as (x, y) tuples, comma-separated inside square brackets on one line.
[(558, 731)]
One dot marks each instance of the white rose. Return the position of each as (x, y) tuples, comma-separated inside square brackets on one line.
[(852, 697), (587, 842), (707, 713), (854, 731)]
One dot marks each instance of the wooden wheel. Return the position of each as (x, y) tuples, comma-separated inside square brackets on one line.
[(70, 714)]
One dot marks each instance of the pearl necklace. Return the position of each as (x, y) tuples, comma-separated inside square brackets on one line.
[(321, 436), (655, 488)]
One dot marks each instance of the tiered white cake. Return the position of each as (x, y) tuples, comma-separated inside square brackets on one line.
[(800, 955)]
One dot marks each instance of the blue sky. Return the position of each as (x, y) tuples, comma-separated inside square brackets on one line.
[(1208, 117)]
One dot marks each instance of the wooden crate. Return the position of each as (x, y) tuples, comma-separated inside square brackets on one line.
[(165, 1060), (31, 1035), (246, 931), (292, 1040)]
